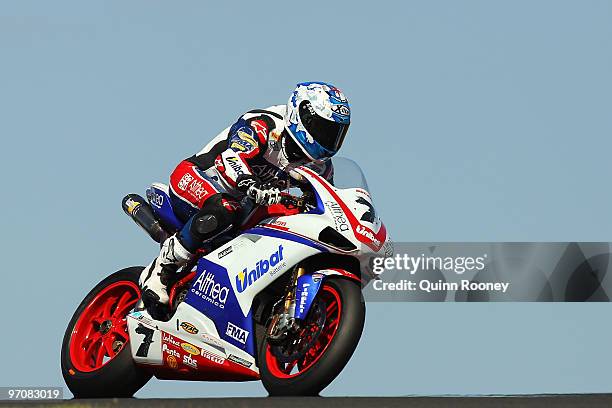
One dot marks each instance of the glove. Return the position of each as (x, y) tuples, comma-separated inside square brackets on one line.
[(260, 193)]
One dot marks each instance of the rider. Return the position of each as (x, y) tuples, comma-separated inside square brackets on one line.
[(253, 157)]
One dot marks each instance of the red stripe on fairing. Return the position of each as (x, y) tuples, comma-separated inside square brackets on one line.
[(278, 227), (381, 236)]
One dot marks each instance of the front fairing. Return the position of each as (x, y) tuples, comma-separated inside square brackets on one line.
[(349, 211)]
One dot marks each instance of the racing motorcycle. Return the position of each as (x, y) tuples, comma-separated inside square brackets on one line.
[(281, 302)]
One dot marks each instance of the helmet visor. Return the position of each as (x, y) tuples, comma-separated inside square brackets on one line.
[(325, 132)]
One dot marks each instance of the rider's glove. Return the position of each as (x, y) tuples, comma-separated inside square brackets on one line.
[(260, 193)]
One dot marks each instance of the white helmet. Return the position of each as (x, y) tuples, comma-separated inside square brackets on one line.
[(317, 119)]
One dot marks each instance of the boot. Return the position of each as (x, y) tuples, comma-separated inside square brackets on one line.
[(155, 277)]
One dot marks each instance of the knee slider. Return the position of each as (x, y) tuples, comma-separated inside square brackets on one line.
[(213, 218), (205, 224)]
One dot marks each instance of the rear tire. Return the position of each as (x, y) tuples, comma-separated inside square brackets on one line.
[(317, 373), (115, 374)]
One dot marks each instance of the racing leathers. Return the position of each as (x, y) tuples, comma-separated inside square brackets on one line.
[(248, 158)]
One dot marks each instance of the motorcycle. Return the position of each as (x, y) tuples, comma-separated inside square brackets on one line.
[(281, 302)]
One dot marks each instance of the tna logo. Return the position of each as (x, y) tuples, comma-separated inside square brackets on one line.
[(246, 278)]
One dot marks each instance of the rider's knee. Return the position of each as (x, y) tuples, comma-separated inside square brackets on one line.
[(218, 214)]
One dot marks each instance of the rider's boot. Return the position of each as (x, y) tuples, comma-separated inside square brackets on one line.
[(154, 278)]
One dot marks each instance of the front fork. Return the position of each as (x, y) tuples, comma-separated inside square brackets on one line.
[(290, 311), (302, 288), (283, 318)]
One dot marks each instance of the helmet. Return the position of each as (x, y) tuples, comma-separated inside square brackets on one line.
[(317, 119)]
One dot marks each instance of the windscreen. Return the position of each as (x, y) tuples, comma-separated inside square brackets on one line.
[(348, 174)]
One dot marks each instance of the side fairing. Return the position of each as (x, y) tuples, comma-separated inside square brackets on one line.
[(363, 219), (230, 277)]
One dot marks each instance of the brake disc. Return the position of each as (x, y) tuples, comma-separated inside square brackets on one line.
[(298, 343)]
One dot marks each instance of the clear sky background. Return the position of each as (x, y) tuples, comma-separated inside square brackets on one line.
[(473, 120)]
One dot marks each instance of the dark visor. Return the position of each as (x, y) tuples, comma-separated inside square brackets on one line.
[(327, 133)]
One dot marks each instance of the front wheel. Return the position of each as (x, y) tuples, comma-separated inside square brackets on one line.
[(96, 357), (308, 363)]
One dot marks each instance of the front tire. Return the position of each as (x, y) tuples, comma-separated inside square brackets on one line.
[(95, 356), (331, 341)]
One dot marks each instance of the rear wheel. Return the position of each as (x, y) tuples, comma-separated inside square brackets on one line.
[(96, 357), (309, 362)]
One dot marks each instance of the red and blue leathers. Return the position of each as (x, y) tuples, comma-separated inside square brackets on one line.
[(208, 181)]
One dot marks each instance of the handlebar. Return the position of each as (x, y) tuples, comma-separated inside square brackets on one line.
[(293, 201)]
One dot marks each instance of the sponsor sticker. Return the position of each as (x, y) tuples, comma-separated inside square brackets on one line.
[(131, 205), (184, 181), (206, 288), (238, 147), (190, 361), (246, 137), (362, 191), (172, 363), (304, 297), (260, 127), (239, 360), (198, 189), (225, 252), (156, 199), (342, 110), (340, 219), (248, 276), (170, 351), (367, 233), (190, 348), (189, 328), (234, 163), (212, 357), (140, 317), (236, 333), (212, 340), (168, 338)]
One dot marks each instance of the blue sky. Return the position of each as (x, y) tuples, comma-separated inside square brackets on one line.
[(473, 120)]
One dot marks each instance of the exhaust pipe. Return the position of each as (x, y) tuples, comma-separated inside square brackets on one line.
[(141, 212)]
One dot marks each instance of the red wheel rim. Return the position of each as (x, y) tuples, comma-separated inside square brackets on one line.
[(101, 332), (333, 305)]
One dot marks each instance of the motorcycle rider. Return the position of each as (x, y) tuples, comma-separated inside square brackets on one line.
[(252, 158)]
